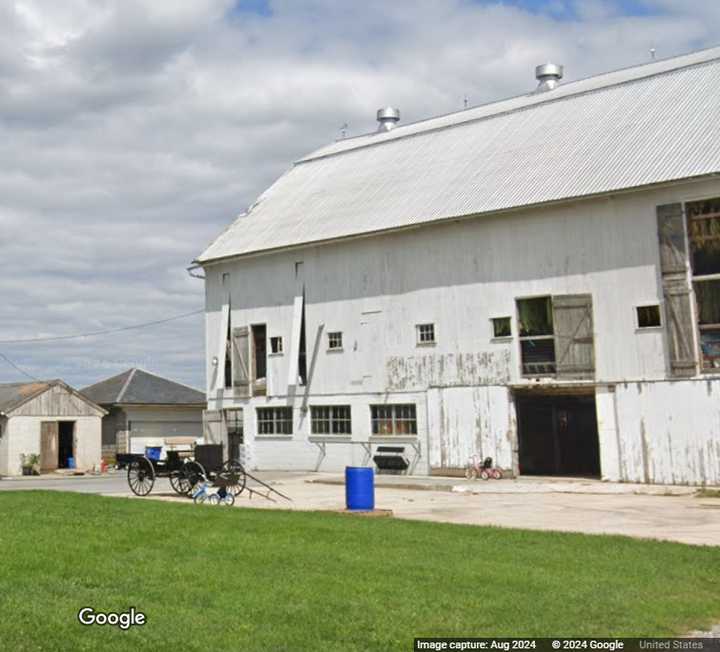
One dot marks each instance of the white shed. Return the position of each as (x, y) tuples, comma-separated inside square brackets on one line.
[(49, 419)]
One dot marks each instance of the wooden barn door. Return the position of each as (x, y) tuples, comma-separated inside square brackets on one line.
[(48, 445)]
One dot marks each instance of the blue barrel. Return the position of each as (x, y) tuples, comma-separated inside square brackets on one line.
[(153, 452), (359, 488)]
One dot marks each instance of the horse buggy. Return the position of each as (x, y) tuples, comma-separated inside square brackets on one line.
[(186, 464)]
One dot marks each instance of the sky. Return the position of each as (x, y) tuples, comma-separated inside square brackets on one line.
[(134, 131)]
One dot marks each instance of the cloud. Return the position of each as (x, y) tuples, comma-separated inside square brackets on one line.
[(134, 131)]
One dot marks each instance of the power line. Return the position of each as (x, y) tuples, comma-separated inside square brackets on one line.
[(14, 366), (108, 331)]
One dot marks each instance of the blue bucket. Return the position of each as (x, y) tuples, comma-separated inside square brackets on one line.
[(359, 488), (153, 452), (71, 462)]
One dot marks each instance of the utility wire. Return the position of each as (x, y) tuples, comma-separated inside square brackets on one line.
[(14, 366), (108, 331)]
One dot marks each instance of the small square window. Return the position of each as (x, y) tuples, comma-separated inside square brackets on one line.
[(501, 327), (425, 333), (276, 345), (648, 316), (335, 340)]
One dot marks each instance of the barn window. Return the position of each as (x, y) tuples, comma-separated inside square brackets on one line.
[(274, 421), (393, 419), (234, 422), (556, 336), (703, 225), (501, 327), (335, 340), (537, 339), (330, 420), (648, 316), (707, 298), (276, 345), (425, 333), (225, 278)]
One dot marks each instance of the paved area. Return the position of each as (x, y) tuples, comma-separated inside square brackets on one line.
[(571, 506)]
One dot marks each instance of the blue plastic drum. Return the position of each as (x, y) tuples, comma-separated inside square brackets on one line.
[(359, 488), (153, 452)]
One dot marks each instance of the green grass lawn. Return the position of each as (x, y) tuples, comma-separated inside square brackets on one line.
[(213, 578)]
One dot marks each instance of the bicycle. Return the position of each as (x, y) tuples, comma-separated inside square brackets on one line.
[(201, 493), (484, 470)]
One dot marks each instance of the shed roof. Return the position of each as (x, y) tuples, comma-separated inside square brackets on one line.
[(13, 395), (636, 127), (139, 387)]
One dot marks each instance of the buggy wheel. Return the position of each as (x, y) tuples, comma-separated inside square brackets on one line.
[(180, 483), (471, 473), (194, 472), (141, 476), (497, 474), (233, 472)]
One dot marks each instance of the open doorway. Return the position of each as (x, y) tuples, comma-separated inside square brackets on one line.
[(558, 434), (66, 443)]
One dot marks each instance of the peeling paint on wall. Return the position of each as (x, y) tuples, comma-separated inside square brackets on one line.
[(447, 370), (670, 433), (463, 421)]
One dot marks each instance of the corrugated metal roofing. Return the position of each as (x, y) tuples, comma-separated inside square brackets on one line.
[(645, 125), (138, 387)]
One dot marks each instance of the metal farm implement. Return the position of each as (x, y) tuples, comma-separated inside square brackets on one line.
[(185, 471)]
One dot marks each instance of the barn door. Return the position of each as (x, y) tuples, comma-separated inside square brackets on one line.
[(678, 305), (49, 445), (241, 359), (573, 327)]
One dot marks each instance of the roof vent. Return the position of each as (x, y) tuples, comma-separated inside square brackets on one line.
[(387, 118), (548, 76)]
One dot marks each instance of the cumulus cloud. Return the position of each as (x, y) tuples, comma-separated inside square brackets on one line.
[(134, 131)]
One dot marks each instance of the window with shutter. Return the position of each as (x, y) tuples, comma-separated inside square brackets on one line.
[(241, 359), (574, 341), (678, 305), (703, 224)]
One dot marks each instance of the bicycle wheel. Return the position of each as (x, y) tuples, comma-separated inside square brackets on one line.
[(229, 500), (497, 474), (484, 475), (200, 499), (214, 499), (471, 473)]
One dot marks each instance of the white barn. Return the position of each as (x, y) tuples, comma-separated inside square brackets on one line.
[(536, 280)]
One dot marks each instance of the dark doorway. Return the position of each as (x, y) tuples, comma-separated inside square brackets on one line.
[(558, 435), (66, 448), (236, 437), (259, 336)]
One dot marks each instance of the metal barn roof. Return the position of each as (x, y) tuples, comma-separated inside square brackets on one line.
[(138, 387), (626, 129)]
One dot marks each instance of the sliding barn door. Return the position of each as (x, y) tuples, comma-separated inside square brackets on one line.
[(48, 445)]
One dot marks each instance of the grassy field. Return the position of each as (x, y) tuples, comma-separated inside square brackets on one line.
[(211, 578)]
